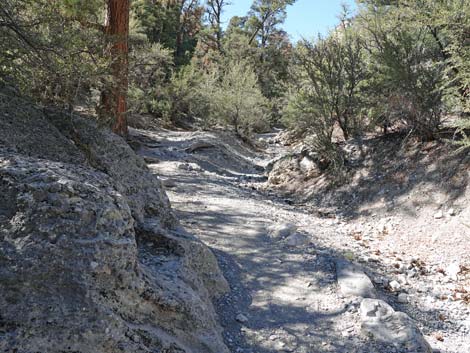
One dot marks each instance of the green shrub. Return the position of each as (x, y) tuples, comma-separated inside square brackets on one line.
[(328, 75), (48, 54), (229, 97), (239, 102), (150, 70), (190, 94)]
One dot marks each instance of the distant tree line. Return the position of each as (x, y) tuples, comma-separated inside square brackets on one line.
[(401, 64)]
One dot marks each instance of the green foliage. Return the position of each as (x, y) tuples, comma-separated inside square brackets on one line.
[(157, 21), (264, 18), (452, 24), (172, 97), (401, 63), (328, 77), (258, 40), (239, 101), (47, 54), (83, 9), (229, 97), (407, 71), (173, 24), (463, 126), (236, 47), (189, 95), (275, 49), (214, 30), (448, 23), (150, 70)]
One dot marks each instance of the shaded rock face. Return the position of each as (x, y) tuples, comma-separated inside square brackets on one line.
[(91, 257), (107, 152)]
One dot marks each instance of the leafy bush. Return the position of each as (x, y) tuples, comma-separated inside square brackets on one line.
[(407, 71), (190, 94), (210, 97), (174, 97), (239, 102), (48, 52), (150, 70), (328, 74), (303, 114)]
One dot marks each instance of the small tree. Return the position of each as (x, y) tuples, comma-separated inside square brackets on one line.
[(174, 24), (150, 71), (407, 65), (265, 15), (329, 73), (240, 102)]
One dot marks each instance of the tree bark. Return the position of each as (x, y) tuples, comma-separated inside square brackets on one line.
[(114, 100)]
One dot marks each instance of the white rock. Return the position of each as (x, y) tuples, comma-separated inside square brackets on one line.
[(394, 286), (452, 271), (403, 279), (451, 212), (380, 321), (439, 215), (307, 164), (184, 166), (353, 281), (282, 230), (296, 239), (466, 324)]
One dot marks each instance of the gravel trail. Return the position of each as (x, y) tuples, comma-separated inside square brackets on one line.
[(279, 259)]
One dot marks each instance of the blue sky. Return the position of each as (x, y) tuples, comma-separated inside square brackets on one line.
[(305, 18)]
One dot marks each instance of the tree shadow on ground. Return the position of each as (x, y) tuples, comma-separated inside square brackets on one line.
[(258, 267), (311, 329), (225, 154), (253, 263)]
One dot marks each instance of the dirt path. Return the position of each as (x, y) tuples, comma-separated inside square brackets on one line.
[(285, 296)]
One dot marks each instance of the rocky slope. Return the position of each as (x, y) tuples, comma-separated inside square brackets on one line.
[(292, 289), (414, 196), (402, 212), (91, 256)]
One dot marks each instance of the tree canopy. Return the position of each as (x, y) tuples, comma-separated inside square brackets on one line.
[(390, 65)]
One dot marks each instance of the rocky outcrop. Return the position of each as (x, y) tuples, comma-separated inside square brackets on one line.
[(91, 256)]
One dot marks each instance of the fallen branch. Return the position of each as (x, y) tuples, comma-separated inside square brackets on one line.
[(198, 146)]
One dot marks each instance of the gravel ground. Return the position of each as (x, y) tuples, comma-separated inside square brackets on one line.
[(280, 258)]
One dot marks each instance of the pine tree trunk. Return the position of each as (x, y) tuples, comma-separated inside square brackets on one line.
[(114, 100)]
